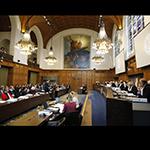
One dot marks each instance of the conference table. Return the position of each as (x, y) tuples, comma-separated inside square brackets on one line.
[(8, 110), (32, 117)]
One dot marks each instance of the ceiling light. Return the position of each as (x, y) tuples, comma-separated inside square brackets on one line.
[(25, 45), (50, 59), (102, 44), (97, 59)]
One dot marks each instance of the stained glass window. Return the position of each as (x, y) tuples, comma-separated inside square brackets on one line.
[(116, 44), (134, 24)]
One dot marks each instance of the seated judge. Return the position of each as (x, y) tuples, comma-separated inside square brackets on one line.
[(144, 89), (132, 88), (113, 84), (123, 86)]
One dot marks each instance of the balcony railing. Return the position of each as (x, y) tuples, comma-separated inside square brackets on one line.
[(31, 64), (6, 56)]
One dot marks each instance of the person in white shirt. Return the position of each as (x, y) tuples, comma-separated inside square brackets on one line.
[(75, 98)]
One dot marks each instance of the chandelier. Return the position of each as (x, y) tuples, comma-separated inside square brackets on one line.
[(50, 59), (25, 45), (97, 59), (102, 44)]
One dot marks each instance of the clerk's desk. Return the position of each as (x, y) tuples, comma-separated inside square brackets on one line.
[(123, 109)]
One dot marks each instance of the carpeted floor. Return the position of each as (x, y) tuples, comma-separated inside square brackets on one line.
[(98, 108)]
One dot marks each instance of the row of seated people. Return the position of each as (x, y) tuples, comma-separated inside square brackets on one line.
[(8, 92), (54, 88), (141, 89)]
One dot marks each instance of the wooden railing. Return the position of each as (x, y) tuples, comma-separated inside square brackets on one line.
[(6, 56), (86, 113)]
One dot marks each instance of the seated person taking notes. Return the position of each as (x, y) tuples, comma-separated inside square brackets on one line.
[(72, 103)]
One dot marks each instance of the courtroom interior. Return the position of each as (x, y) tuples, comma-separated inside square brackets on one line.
[(74, 70)]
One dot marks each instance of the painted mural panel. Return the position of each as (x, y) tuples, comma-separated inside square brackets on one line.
[(77, 51)]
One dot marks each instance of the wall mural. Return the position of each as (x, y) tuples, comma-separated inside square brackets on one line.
[(77, 51)]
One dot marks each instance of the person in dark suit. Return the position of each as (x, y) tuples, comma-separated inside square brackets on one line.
[(132, 88), (113, 84), (46, 86), (84, 89), (123, 86), (145, 89)]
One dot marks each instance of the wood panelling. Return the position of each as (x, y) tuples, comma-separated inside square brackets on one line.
[(146, 72), (133, 71), (131, 65), (18, 74), (78, 77), (123, 77), (10, 76)]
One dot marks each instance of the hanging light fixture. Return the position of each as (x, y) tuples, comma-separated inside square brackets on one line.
[(25, 45), (50, 59), (102, 44), (98, 59)]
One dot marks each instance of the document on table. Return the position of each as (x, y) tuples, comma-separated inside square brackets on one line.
[(45, 112), (12, 100), (60, 106), (2, 101), (22, 97), (131, 94), (53, 109), (134, 99)]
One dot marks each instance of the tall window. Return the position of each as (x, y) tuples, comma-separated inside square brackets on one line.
[(134, 24), (116, 43)]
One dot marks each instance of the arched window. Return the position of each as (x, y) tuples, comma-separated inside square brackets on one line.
[(118, 42), (134, 24)]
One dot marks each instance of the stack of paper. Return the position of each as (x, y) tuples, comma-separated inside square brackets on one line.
[(60, 106), (2, 101), (11, 100), (44, 112)]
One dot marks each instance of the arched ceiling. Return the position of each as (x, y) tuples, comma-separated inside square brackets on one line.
[(62, 22)]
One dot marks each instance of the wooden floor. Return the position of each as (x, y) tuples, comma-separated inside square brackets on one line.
[(87, 114)]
